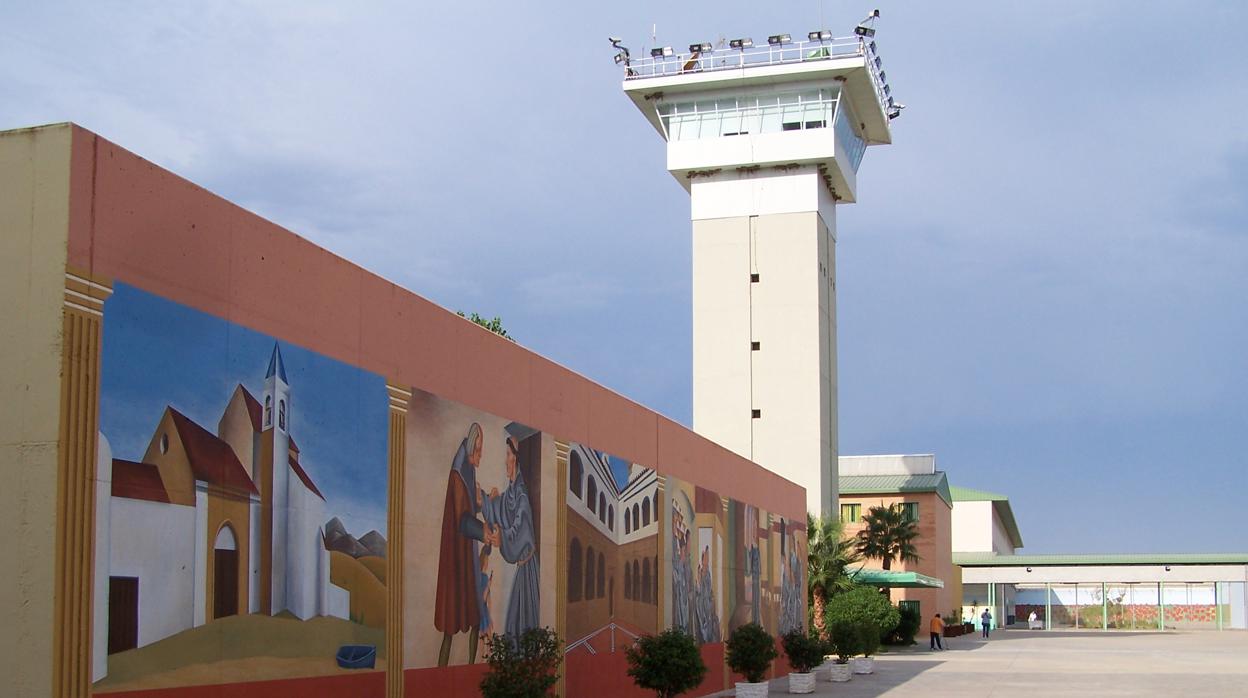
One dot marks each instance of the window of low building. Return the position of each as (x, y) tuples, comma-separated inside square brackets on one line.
[(851, 513), (910, 510)]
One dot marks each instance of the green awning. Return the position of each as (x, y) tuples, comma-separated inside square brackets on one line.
[(896, 580)]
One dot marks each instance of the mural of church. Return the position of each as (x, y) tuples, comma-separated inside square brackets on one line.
[(210, 523)]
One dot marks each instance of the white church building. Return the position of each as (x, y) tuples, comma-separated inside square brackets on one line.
[(209, 525)]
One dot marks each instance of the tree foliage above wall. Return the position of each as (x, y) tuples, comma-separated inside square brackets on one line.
[(494, 324)]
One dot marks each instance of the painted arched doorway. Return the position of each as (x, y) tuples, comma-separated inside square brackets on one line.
[(225, 573)]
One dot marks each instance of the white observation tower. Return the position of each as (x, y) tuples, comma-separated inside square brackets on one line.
[(767, 140)]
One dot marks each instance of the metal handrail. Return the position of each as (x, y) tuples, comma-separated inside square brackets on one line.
[(585, 641), (782, 54)]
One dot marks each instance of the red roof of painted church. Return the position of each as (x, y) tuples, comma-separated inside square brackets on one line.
[(212, 460)]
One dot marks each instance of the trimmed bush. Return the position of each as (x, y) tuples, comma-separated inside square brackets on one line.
[(751, 651), (864, 604), (907, 628), (868, 637), (668, 663), (804, 652), (844, 641), (524, 667)]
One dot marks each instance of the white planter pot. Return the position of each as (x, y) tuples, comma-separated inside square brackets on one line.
[(802, 683), (839, 673), (751, 690), (863, 665)]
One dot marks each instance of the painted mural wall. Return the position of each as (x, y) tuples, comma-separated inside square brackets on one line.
[(267, 457), (243, 528)]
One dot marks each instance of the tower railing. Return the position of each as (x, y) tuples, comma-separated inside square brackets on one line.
[(782, 54)]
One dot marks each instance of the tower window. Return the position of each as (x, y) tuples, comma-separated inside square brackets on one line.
[(281, 414), (268, 410), (755, 346), (756, 414), (164, 443)]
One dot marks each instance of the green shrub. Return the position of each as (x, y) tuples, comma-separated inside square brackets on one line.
[(868, 637), (907, 628), (524, 667), (804, 651), (864, 604), (750, 652), (668, 663), (843, 640)]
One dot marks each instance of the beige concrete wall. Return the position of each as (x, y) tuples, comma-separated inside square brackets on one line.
[(721, 332), (972, 527), (34, 224), (790, 371), (791, 312)]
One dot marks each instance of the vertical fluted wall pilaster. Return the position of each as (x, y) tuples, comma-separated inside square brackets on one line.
[(82, 329), (399, 398)]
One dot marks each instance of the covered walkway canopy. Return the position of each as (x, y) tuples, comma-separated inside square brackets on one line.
[(897, 580)]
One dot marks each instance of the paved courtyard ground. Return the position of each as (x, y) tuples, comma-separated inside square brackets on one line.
[(1049, 663)]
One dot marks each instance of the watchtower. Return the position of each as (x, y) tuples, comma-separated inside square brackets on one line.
[(767, 140)]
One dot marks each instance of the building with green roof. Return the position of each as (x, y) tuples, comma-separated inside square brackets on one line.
[(929, 585)]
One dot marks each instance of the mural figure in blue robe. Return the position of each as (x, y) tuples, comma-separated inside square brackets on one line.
[(510, 517)]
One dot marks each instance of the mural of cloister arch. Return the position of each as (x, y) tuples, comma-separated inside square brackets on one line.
[(608, 520)]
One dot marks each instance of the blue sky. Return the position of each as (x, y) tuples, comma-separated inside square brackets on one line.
[(157, 353), (1043, 282), (619, 469)]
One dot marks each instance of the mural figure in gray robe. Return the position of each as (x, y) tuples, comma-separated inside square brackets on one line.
[(704, 603), (754, 568), (511, 518), (790, 594), (682, 575)]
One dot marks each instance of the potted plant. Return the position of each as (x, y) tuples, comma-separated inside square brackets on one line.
[(668, 663), (868, 645), (805, 655), (844, 642), (523, 667), (750, 652)]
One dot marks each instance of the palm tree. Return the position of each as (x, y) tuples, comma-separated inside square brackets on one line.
[(888, 535), (828, 557)]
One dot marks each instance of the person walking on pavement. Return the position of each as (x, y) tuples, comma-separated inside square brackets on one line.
[(938, 629), (986, 619)]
